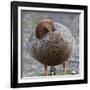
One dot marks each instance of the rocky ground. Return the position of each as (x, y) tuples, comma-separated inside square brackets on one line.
[(30, 67)]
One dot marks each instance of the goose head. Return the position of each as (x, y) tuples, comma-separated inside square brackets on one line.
[(44, 27)]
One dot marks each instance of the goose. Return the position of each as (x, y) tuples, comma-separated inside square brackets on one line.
[(52, 44)]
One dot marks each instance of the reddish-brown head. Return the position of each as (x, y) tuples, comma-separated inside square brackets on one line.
[(44, 27)]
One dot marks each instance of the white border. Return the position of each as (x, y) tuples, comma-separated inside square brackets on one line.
[(53, 78)]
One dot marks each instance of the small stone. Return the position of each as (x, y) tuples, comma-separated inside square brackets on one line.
[(73, 72)]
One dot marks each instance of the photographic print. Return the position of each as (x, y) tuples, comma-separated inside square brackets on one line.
[(42, 48), (48, 44)]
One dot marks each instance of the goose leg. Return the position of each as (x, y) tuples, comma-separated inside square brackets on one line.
[(46, 70), (64, 68)]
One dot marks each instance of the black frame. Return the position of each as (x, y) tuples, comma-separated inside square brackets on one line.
[(14, 44)]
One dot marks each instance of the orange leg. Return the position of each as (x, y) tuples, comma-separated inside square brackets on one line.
[(64, 68), (46, 70)]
